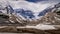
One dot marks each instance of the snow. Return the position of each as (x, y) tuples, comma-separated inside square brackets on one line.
[(45, 27), (40, 27)]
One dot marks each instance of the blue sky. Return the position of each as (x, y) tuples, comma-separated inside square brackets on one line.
[(34, 0), (41, 0)]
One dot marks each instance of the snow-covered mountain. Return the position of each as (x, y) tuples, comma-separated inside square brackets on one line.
[(55, 7), (27, 9)]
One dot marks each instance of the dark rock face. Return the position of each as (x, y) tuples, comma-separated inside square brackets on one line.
[(50, 18), (5, 21)]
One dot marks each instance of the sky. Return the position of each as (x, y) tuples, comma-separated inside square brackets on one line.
[(34, 0), (40, 0)]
